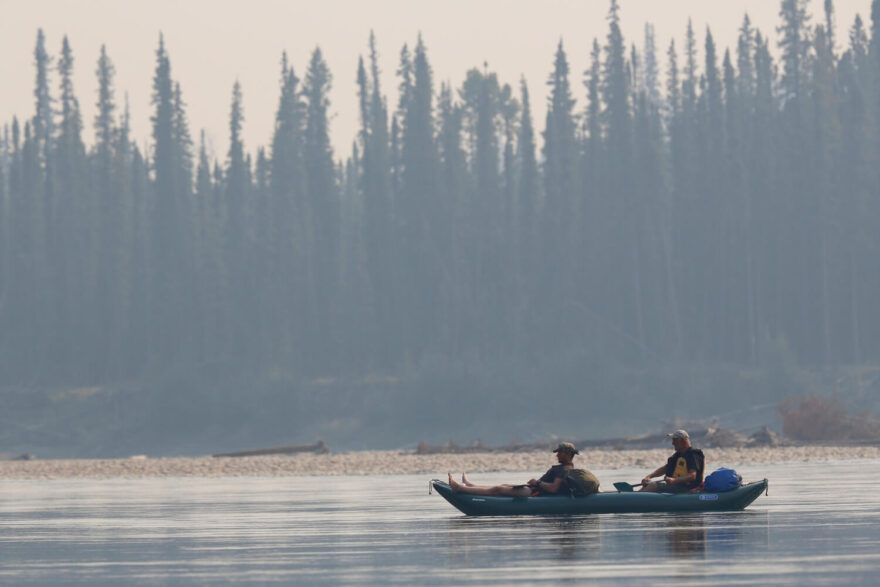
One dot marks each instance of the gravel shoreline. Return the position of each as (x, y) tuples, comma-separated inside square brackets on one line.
[(402, 462)]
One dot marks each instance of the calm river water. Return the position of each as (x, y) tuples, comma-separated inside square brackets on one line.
[(819, 525)]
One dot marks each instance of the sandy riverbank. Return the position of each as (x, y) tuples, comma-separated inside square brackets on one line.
[(401, 462)]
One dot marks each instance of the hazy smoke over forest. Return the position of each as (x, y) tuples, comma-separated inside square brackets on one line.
[(690, 231)]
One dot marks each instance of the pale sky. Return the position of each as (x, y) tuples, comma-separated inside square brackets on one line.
[(213, 43)]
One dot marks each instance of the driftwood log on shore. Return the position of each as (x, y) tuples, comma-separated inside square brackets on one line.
[(450, 447), (319, 447)]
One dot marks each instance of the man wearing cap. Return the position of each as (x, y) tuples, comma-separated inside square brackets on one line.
[(682, 472), (550, 482)]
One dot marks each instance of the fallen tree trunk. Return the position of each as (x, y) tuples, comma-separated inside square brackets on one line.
[(319, 447), (450, 447)]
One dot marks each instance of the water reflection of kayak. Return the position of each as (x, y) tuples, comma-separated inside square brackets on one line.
[(609, 502)]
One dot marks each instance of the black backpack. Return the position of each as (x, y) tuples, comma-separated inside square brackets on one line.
[(701, 463)]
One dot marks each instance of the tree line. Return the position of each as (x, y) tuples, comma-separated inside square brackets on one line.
[(698, 205)]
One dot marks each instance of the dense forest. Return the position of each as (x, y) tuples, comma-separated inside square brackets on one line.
[(689, 204)]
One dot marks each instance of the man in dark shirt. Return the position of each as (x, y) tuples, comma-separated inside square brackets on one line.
[(682, 472), (550, 482)]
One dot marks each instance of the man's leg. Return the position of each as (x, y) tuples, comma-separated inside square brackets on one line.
[(653, 486), (503, 490)]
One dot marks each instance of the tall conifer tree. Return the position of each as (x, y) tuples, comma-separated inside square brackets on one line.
[(528, 184), (626, 311), (322, 202), (564, 206), (71, 228), (44, 118), (419, 201), (164, 233)]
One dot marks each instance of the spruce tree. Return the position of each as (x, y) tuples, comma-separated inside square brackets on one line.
[(421, 210), (44, 118), (289, 225), (71, 229), (183, 146), (126, 180), (874, 54), (737, 205), (763, 163), (714, 99), (322, 201), (745, 49), (689, 83), (687, 200), (70, 129), (379, 144), (559, 153), (855, 187), (164, 233), (39, 193), (593, 171), (183, 183), (106, 174), (418, 143), (713, 201), (453, 189), (207, 253), (676, 187), (237, 197), (653, 205), (163, 125), (626, 310), (4, 221), (795, 46), (830, 25), (106, 107), (796, 197), (509, 112), (593, 164), (564, 206), (528, 186), (652, 73), (378, 204), (824, 148), (673, 116)]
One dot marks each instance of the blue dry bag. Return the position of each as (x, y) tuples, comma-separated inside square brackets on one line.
[(722, 480)]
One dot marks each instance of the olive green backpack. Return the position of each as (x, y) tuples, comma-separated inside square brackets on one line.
[(581, 482)]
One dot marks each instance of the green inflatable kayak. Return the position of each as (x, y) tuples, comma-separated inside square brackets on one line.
[(609, 502)]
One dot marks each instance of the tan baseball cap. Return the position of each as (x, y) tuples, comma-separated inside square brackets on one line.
[(566, 447)]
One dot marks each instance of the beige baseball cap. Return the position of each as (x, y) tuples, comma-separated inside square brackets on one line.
[(566, 447)]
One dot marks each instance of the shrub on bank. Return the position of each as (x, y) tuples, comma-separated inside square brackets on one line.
[(814, 417)]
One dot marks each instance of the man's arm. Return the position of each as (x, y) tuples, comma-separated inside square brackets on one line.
[(551, 487), (682, 479), (657, 473)]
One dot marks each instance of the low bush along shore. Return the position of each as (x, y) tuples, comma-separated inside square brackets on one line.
[(403, 462)]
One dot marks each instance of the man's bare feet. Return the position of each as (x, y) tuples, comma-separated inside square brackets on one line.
[(465, 480), (453, 483)]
